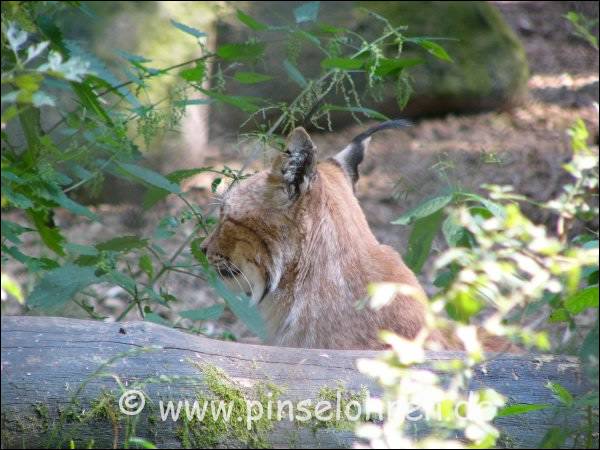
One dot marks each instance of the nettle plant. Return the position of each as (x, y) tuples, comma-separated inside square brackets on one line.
[(511, 277), (81, 120)]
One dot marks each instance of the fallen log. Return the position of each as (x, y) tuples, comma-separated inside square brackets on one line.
[(62, 380)]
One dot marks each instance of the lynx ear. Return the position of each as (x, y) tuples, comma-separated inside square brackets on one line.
[(352, 155), (296, 165)]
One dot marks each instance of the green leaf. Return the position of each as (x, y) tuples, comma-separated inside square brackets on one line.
[(166, 228), (132, 57), (251, 77), (183, 174), (421, 237), (251, 22), (242, 308), (370, 113), (193, 102), (444, 278), (155, 318), (583, 27), (29, 82), (555, 437), (198, 254), (120, 279), (89, 99), (30, 121), (208, 313), (330, 29), (424, 209), (33, 264), (341, 63), (138, 442), (40, 264), (453, 231), (122, 244), (386, 66), (195, 74), (494, 208), (76, 208), (245, 103), (101, 74), (582, 300), (16, 199), (12, 231), (559, 315), (79, 249), (58, 286), (187, 29), (294, 74), (313, 39), (145, 264), (162, 299), (404, 90), (432, 47), (241, 52), (10, 285), (521, 408), (560, 393), (463, 305), (150, 177), (307, 12), (456, 235), (589, 348), (154, 195), (49, 234)]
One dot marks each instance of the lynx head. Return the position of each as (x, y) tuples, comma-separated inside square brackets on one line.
[(271, 220)]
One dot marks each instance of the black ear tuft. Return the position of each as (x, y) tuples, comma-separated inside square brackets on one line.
[(297, 166), (351, 156)]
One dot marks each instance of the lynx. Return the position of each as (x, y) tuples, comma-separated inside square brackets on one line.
[(295, 237)]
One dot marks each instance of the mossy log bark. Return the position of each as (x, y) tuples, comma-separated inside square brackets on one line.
[(60, 383)]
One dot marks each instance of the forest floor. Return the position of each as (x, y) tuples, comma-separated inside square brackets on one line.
[(524, 147)]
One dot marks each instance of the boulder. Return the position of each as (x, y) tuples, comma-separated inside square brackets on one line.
[(489, 69)]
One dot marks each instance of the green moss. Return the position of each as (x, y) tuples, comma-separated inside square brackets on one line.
[(212, 429), (104, 407), (43, 415), (345, 404), (18, 428), (72, 418), (506, 441), (194, 432)]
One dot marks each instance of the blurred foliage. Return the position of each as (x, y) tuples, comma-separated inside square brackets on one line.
[(500, 275), (583, 27)]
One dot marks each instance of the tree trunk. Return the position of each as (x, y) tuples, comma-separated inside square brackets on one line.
[(60, 382)]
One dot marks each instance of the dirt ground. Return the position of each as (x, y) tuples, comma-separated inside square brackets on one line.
[(524, 147)]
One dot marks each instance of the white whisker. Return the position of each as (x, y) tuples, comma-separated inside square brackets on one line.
[(245, 277)]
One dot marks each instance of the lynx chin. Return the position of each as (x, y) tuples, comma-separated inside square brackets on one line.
[(296, 239)]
